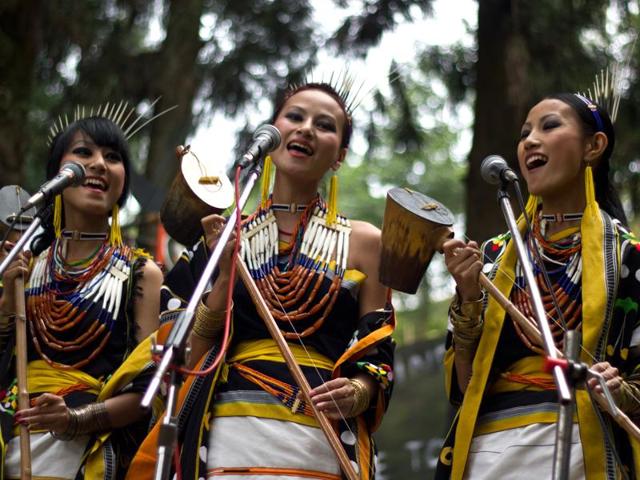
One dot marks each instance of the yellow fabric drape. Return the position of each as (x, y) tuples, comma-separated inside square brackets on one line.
[(594, 301), (267, 349), (44, 378)]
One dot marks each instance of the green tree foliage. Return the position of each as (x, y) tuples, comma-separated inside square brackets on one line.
[(360, 32), (213, 55)]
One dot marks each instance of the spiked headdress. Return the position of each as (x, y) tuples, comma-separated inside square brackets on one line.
[(119, 114)]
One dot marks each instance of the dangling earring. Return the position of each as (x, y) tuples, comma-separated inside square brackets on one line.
[(590, 188), (115, 235), (57, 216), (332, 207), (266, 182)]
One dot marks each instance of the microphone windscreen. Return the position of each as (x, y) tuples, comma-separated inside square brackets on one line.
[(270, 132), (491, 168), (77, 171)]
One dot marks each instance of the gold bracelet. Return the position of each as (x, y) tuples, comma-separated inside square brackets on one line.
[(466, 331), (7, 321), (629, 398), (208, 323), (471, 309), (84, 420), (361, 397)]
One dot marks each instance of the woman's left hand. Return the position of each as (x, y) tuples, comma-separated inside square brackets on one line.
[(611, 376), (335, 398), (49, 412)]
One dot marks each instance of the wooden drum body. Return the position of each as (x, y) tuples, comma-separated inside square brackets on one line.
[(414, 228)]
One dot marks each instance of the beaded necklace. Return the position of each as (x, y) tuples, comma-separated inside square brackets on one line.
[(290, 288), (564, 265), (60, 294)]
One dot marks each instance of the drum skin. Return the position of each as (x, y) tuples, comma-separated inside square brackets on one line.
[(198, 190)]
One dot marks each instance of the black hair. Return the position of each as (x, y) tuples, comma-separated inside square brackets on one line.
[(347, 130), (606, 194), (104, 133)]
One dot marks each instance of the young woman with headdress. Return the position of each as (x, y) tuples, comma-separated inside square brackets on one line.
[(318, 273), (505, 425), (90, 301)]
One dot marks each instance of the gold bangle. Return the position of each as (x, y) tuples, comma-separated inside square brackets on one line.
[(466, 331), (361, 397), (7, 321), (629, 398), (90, 418), (208, 323), (470, 309)]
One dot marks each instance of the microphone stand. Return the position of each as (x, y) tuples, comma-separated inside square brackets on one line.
[(25, 237), (564, 424), (174, 350), (561, 455)]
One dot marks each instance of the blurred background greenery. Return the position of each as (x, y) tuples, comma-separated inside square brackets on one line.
[(224, 57)]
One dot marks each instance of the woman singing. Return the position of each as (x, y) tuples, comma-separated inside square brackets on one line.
[(318, 273), (90, 300), (505, 426)]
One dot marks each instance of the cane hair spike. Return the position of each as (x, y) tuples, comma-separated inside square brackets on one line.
[(345, 83), (166, 110), (137, 119), (607, 86), (112, 112), (117, 113)]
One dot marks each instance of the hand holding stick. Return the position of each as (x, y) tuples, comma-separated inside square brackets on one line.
[(532, 332), (295, 370)]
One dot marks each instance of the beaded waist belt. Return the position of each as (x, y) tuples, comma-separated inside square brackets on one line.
[(525, 374), (267, 349)]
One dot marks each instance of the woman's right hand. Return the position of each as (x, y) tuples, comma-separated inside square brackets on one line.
[(213, 226), (18, 268), (464, 262)]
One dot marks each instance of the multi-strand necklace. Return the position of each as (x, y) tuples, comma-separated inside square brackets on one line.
[(291, 287), (60, 294), (563, 261)]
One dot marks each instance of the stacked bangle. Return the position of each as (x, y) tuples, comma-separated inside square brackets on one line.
[(84, 420), (466, 319), (361, 397), (208, 324), (629, 398), (7, 321)]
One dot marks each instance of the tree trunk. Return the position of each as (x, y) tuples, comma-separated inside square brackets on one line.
[(178, 86), (502, 94), (20, 29)]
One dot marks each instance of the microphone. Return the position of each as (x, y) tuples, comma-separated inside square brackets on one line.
[(265, 139), (494, 170), (71, 174)]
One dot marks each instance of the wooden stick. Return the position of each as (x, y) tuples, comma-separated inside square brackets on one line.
[(532, 330), (527, 325), (21, 370), (295, 370)]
